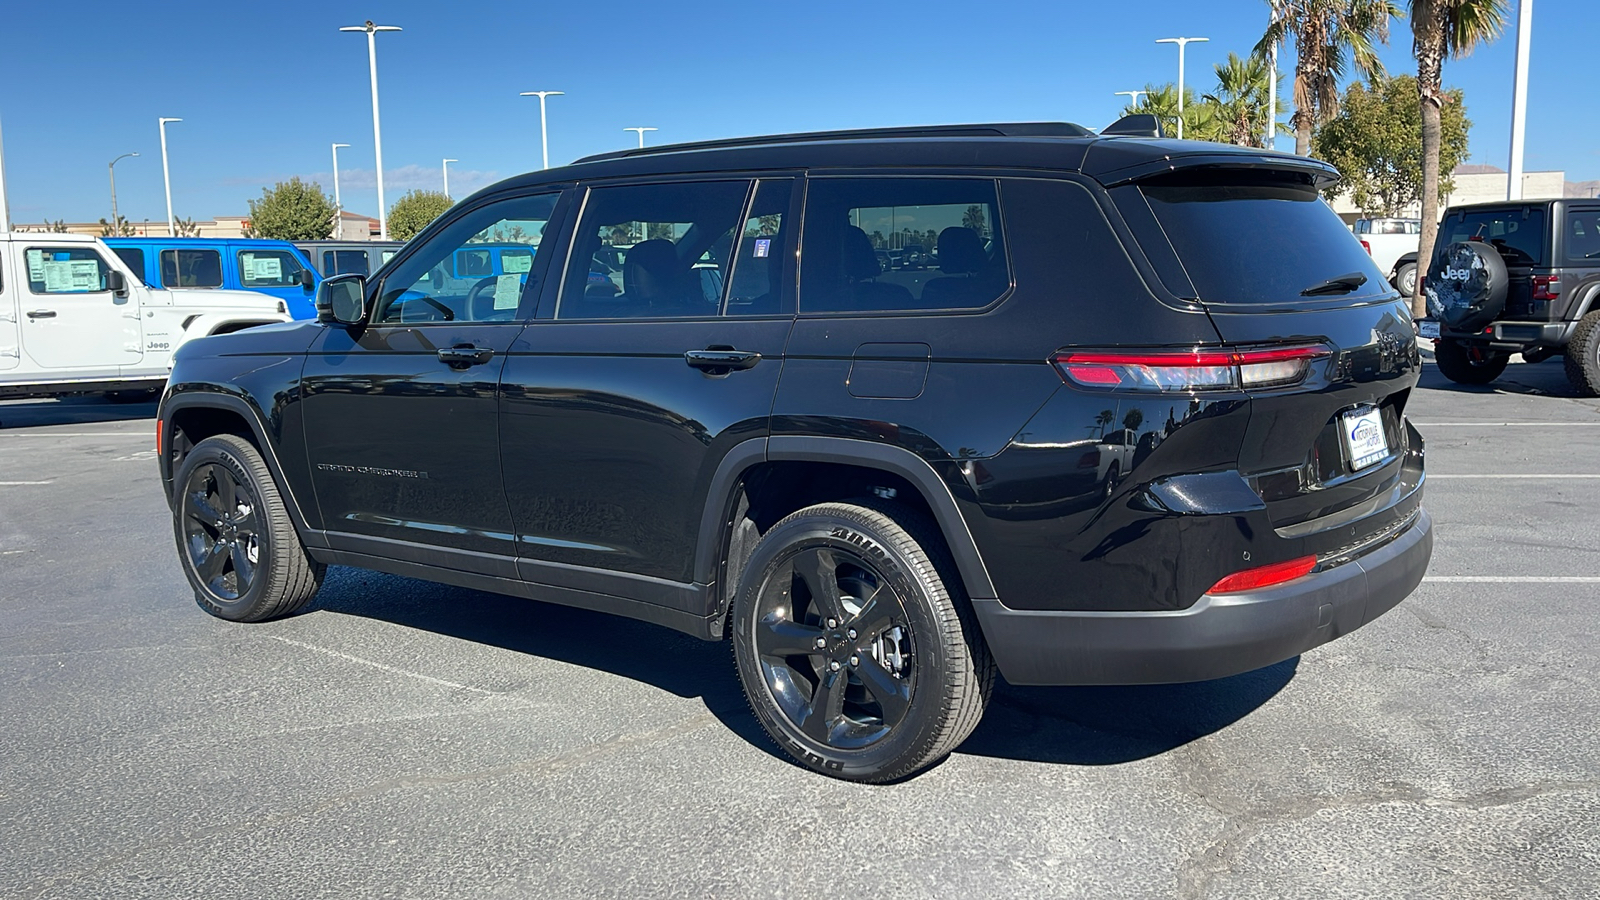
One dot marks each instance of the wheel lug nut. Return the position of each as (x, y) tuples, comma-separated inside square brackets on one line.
[(833, 623), (834, 665), (851, 634), (855, 661), (822, 642)]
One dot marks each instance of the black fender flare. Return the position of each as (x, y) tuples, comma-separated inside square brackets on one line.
[(720, 497), (210, 399)]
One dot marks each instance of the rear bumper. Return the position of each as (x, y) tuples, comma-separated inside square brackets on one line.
[(1508, 335), (1219, 635)]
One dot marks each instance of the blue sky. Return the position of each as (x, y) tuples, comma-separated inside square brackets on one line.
[(264, 89)]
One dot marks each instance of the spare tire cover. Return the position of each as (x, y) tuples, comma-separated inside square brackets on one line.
[(1467, 285)]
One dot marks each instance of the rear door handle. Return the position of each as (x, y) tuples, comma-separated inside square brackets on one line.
[(463, 355), (42, 314), (720, 360)]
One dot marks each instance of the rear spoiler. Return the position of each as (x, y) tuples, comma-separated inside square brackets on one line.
[(1112, 172)]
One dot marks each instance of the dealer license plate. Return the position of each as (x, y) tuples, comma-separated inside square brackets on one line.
[(1428, 328), (1364, 438)]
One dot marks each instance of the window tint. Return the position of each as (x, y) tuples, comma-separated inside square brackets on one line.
[(652, 251), (1583, 235), (191, 268), (269, 268), (477, 269), (63, 270), (1518, 232), (1257, 238), (902, 243), (344, 262), (133, 258), (763, 269)]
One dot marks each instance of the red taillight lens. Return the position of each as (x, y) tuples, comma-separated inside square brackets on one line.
[(1264, 576), (1367, 247), (1188, 370), (1546, 287)]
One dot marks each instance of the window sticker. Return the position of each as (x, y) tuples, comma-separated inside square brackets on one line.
[(507, 290), (35, 265), (263, 268), (515, 262), (763, 247), (71, 275)]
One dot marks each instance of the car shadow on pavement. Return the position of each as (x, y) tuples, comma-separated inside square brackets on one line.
[(1546, 379), (1074, 726), (85, 410)]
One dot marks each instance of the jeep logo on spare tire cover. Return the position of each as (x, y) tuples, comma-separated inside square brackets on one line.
[(1467, 285)]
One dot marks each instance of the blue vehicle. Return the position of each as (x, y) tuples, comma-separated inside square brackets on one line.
[(276, 268)]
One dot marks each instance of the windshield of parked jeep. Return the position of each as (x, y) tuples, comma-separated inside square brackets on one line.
[(1517, 232), (1261, 241)]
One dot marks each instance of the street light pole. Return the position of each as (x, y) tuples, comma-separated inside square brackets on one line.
[(338, 205), (112, 168), (446, 167), (1519, 100), (641, 134), (5, 206), (1181, 42), (544, 134), (377, 131), (166, 176), (1133, 97)]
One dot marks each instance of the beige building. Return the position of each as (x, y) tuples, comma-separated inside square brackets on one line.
[(1475, 184), (356, 227)]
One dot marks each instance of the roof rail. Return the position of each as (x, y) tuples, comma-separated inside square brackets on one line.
[(1012, 129)]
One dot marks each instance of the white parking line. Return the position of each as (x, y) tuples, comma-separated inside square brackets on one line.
[(390, 669), (1506, 424), (61, 434), (17, 483), (1513, 579), (1432, 476)]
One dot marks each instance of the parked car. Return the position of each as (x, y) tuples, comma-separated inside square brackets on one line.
[(331, 258), (75, 319), (275, 268), (1516, 277), (1392, 243), (882, 490)]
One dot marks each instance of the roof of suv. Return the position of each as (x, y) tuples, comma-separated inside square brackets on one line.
[(1054, 146)]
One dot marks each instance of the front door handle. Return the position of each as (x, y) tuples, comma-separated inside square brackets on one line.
[(42, 314), (721, 360), (463, 355)]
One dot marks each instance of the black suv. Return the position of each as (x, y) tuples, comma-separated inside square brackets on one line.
[(1144, 422), (1516, 277)]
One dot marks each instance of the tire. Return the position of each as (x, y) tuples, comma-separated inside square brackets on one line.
[(236, 543), (1110, 487), (1456, 363), (903, 676), (1405, 280), (1583, 356)]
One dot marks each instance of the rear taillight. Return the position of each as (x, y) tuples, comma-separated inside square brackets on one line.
[(1367, 247), (1264, 576), (1546, 287), (1188, 370)]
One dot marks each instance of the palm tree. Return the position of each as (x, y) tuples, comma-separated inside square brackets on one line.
[(1324, 33), (1161, 101), (1239, 107), (1441, 28)]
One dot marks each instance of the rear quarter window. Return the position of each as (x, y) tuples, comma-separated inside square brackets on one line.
[(1517, 232)]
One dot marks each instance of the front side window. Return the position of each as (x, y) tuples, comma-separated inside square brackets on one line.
[(880, 244), (652, 251), (344, 262), (133, 257), (476, 270), (191, 268), (65, 270), (269, 269)]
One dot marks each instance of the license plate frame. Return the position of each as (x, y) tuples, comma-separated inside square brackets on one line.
[(1428, 328), (1362, 435)]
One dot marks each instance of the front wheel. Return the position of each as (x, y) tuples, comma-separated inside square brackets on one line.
[(235, 540), (1469, 365), (1405, 280), (854, 647)]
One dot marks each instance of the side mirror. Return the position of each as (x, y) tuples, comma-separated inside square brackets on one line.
[(307, 280), (116, 284), (342, 299)]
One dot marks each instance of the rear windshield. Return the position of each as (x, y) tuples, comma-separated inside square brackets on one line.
[(1518, 233), (1258, 243)]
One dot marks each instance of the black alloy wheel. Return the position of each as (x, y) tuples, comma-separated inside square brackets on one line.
[(221, 530)]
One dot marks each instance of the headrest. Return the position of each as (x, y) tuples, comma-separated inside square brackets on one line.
[(649, 268), (960, 251), (860, 261)]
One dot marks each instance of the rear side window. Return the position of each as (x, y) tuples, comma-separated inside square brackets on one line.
[(65, 270), (344, 262), (191, 268), (882, 244), (1257, 239), (1583, 235), (133, 257), (269, 268), (1518, 232)]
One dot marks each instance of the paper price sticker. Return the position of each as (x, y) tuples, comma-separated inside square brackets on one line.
[(507, 291), (516, 261), (35, 265)]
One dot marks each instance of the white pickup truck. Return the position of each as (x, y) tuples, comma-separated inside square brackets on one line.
[(74, 319), (1393, 245)]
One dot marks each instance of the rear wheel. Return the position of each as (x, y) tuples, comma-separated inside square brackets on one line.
[(1583, 356), (237, 546), (1469, 365), (854, 652), (1405, 280)]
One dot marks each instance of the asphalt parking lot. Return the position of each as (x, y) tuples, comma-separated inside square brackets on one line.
[(404, 739)]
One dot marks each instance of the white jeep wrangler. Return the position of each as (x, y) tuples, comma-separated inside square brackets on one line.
[(74, 319)]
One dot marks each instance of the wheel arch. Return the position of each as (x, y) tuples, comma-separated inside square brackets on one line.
[(191, 417)]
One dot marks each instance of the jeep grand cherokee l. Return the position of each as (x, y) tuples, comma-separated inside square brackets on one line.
[(1143, 422)]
